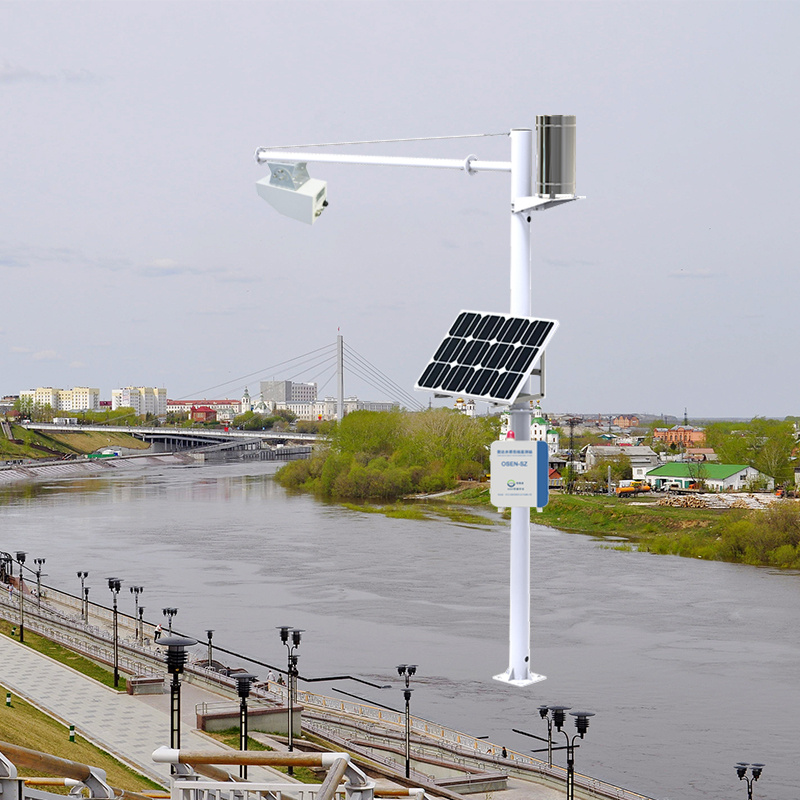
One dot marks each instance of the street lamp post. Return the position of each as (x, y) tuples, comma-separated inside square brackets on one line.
[(136, 591), (114, 584), (243, 682), (39, 564), (545, 716), (210, 635), (21, 560), (141, 624), (169, 613), (755, 770), (291, 674), (84, 596), (557, 718), (176, 660), (406, 671)]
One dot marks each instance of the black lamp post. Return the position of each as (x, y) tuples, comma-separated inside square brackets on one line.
[(243, 682), (136, 591), (176, 660), (557, 718), (291, 674), (755, 770), (543, 713), (84, 596), (39, 564), (210, 635), (169, 613), (406, 671), (114, 584), (21, 560), (141, 624)]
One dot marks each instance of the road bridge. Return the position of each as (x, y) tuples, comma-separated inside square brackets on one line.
[(170, 439)]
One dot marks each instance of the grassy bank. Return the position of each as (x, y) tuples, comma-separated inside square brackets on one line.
[(762, 538), (768, 538), (24, 725), (37, 444)]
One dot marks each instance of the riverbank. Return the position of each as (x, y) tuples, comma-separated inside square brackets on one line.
[(88, 467), (767, 537)]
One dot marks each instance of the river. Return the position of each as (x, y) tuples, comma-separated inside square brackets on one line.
[(690, 666)]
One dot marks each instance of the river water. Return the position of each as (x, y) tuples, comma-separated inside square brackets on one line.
[(690, 666)]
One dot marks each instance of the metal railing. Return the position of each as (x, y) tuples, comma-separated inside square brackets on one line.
[(212, 790), (95, 642)]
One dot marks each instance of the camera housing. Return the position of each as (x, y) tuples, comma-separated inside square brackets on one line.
[(291, 192)]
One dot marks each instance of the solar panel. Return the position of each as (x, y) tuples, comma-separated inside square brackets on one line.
[(487, 356)]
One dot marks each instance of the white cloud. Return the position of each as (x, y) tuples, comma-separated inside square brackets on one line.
[(18, 349), (77, 364), (45, 355)]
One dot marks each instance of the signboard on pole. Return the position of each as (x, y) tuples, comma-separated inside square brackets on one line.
[(520, 474)]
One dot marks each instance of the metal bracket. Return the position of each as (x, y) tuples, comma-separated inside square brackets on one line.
[(538, 203), (527, 398)]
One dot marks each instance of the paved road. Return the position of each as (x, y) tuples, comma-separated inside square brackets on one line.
[(130, 727)]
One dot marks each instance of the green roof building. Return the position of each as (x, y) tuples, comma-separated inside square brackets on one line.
[(714, 477)]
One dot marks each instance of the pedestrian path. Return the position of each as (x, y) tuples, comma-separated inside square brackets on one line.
[(129, 727)]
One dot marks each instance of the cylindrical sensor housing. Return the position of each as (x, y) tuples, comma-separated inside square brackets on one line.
[(555, 144)]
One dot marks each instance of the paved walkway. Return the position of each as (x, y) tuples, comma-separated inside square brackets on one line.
[(129, 727)]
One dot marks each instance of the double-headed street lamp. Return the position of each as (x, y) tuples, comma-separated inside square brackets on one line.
[(136, 591), (406, 671), (39, 564), (556, 719), (21, 560), (291, 673), (114, 584), (243, 682), (755, 771), (84, 596), (169, 613)]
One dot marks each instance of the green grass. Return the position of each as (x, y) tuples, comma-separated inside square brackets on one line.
[(230, 737), (63, 655), (24, 725), (77, 443)]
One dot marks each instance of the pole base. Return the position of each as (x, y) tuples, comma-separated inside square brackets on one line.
[(530, 678)]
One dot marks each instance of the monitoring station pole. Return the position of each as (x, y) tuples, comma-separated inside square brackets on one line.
[(291, 191)]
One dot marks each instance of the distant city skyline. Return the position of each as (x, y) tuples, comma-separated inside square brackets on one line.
[(135, 250)]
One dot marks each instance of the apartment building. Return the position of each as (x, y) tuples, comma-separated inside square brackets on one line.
[(81, 398), (142, 399)]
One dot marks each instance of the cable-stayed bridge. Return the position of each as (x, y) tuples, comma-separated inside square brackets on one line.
[(337, 360)]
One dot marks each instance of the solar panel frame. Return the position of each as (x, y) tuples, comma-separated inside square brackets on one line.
[(487, 356)]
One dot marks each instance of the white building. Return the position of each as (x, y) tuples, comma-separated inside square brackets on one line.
[(714, 477), (288, 392), (326, 409), (142, 399), (81, 398), (541, 430)]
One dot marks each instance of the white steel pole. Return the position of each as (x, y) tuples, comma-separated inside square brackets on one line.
[(340, 375), (519, 625)]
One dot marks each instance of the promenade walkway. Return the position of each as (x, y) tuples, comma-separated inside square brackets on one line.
[(129, 727)]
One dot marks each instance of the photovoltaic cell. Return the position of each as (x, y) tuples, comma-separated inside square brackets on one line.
[(487, 356)]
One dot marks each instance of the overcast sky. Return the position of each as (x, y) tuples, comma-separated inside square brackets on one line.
[(135, 251)]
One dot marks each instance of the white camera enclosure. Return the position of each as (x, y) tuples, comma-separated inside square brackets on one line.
[(292, 193)]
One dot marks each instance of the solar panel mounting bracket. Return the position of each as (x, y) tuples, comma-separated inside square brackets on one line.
[(522, 399), (541, 203)]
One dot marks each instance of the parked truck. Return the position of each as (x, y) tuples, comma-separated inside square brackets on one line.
[(631, 488)]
